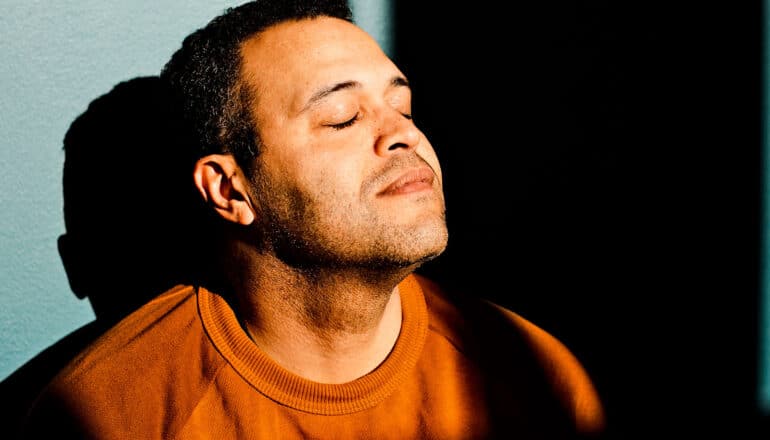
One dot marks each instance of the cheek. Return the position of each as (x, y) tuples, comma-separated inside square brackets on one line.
[(332, 174)]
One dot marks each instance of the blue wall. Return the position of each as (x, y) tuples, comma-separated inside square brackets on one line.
[(56, 58)]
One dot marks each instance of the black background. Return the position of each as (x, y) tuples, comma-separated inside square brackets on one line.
[(602, 168)]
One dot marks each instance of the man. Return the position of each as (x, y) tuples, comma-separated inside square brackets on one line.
[(325, 198)]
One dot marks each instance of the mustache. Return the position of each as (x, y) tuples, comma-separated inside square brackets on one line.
[(392, 170)]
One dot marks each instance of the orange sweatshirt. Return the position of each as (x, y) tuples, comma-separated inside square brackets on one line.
[(181, 367)]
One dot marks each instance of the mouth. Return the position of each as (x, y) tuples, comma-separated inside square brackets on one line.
[(414, 180)]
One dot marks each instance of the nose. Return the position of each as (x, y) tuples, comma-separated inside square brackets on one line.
[(396, 132)]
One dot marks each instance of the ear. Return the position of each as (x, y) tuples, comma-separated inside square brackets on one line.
[(223, 185)]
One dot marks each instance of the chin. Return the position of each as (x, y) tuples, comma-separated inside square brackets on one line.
[(427, 244), (410, 250)]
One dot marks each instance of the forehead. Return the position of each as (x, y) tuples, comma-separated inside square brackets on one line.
[(298, 56)]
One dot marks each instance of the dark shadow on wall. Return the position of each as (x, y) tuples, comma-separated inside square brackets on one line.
[(130, 219), (602, 172)]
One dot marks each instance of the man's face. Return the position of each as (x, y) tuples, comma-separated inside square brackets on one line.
[(344, 177)]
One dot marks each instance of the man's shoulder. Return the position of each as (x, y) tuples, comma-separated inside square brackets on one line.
[(125, 373), (143, 335), (501, 337)]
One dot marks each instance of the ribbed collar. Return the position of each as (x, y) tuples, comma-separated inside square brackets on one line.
[(292, 390)]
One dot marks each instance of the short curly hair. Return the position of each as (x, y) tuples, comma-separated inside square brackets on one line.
[(205, 74)]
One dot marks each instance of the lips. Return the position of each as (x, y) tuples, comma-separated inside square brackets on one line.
[(417, 179)]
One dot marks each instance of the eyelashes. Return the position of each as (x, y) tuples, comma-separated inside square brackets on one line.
[(354, 119), (345, 124)]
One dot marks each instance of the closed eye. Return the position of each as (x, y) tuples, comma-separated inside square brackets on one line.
[(346, 124)]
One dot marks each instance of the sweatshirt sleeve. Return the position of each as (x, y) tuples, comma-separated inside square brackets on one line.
[(569, 378)]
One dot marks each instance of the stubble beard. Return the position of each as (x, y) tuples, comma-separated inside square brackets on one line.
[(311, 238), (342, 242)]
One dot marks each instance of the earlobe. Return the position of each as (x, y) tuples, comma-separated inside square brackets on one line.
[(223, 186)]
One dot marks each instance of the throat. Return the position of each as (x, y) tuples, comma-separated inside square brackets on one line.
[(351, 313), (325, 337)]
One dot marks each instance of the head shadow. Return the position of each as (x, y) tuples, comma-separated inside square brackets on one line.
[(132, 221), (131, 210)]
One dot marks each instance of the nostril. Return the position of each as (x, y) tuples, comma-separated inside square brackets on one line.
[(397, 145)]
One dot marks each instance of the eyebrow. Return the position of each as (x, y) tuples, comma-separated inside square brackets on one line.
[(396, 81)]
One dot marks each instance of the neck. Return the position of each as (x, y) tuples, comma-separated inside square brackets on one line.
[(329, 327)]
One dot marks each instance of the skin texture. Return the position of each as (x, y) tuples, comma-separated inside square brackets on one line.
[(345, 201)]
